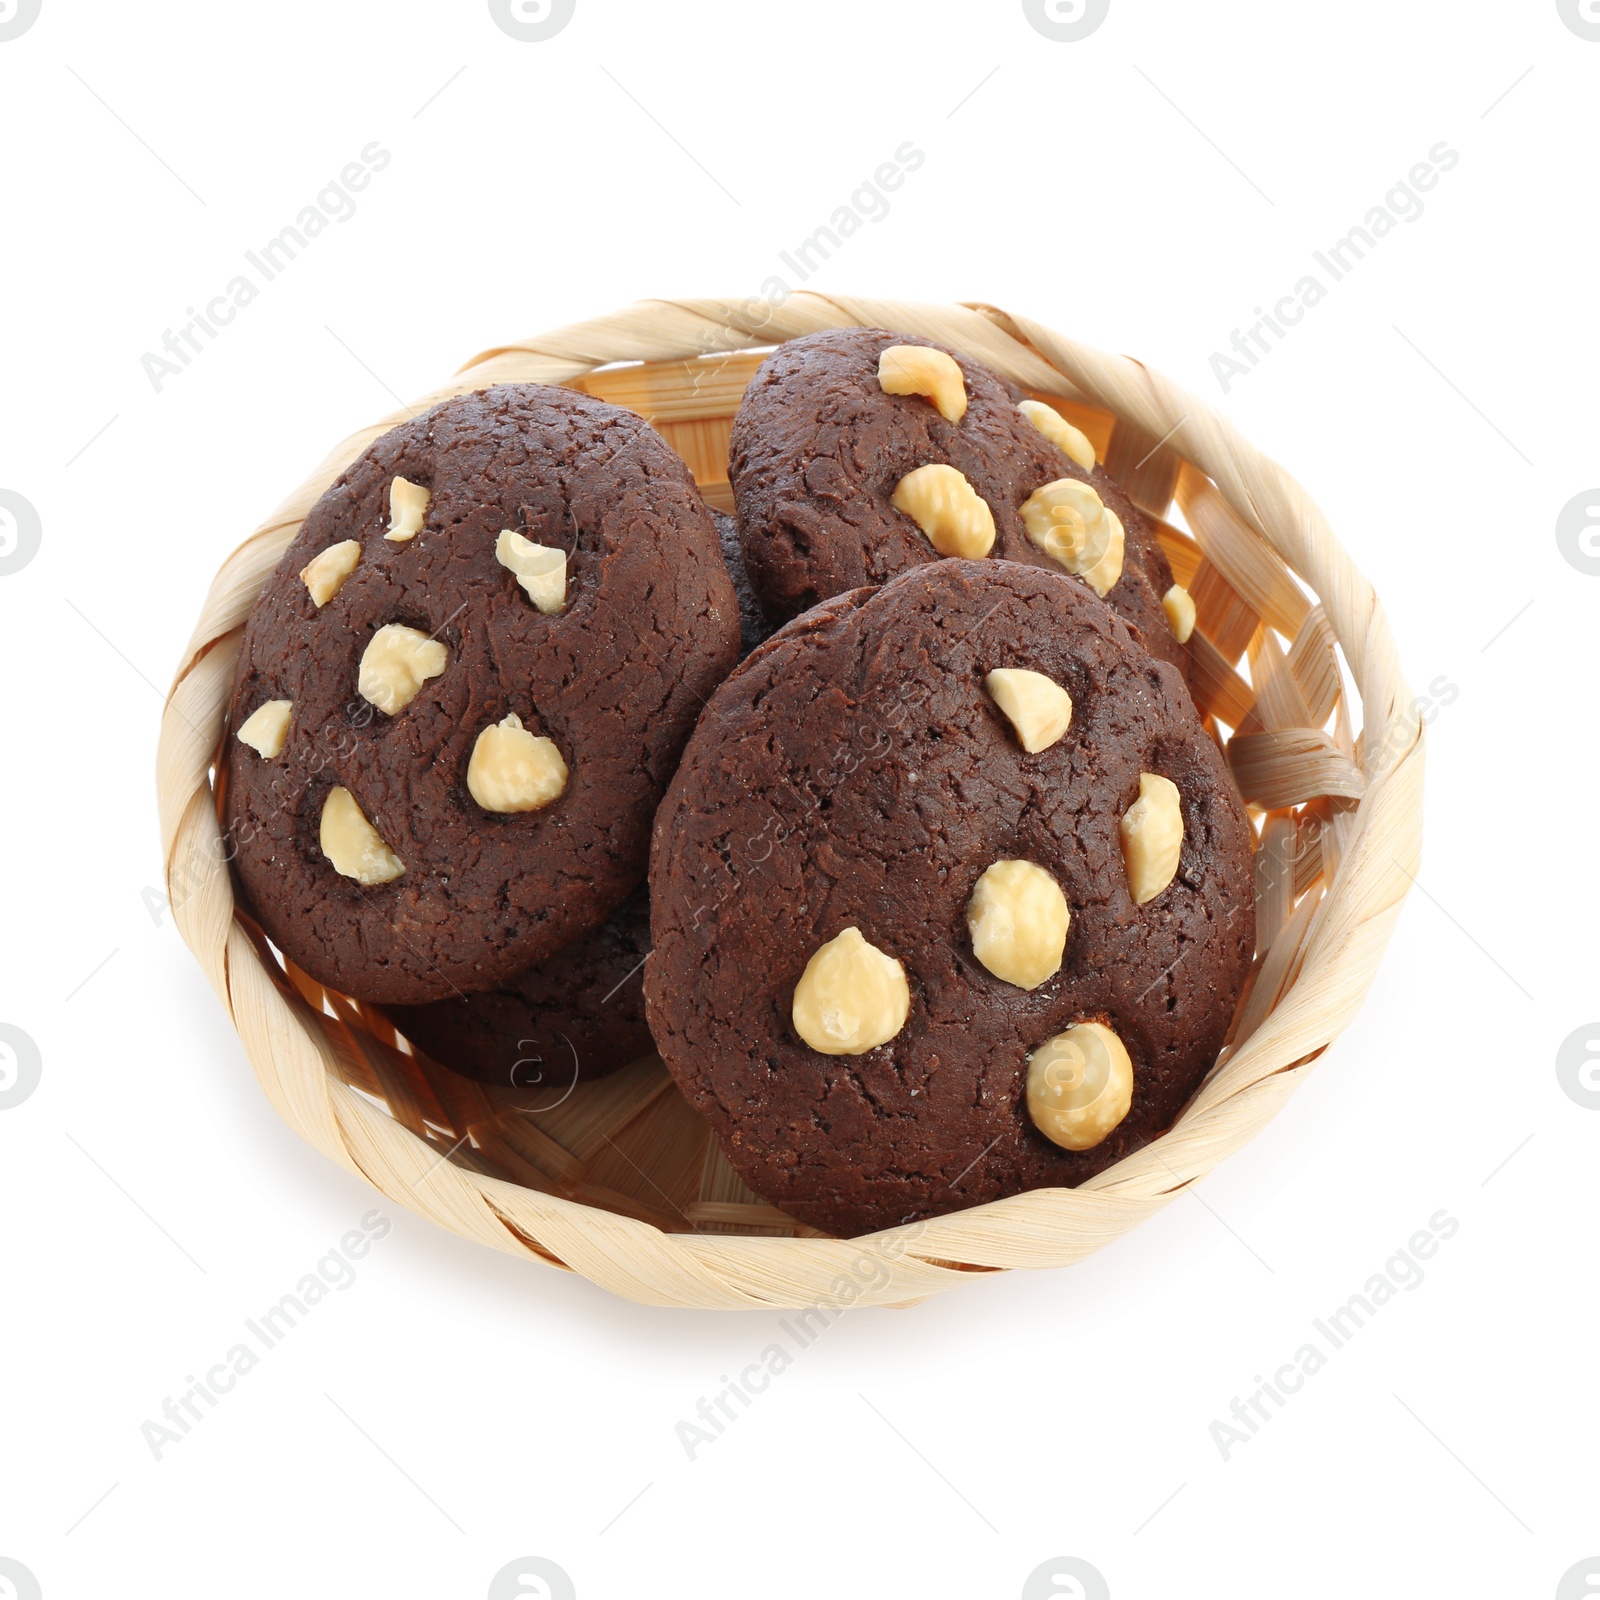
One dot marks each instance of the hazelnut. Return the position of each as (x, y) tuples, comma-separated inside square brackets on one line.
[(1018, 920), (352, 844), (917, 369), (266, 728), (1073, 526), (1152, 837), (1039, 708), (326, 571), (956, 519), (1080, 1085), (1178, 604), (1069, 440), (396, 663), (514, 770), (540, 569), (408, 505), (851, 997)]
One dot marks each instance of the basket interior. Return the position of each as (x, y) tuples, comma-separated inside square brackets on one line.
[(1269, 681)]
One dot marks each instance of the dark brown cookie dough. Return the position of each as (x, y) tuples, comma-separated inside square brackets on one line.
[(856, 772), (817, 449), (614, 678), (753, 623), (568, 1020)]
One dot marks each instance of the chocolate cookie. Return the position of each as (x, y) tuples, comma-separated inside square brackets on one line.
[(463, 690), (567, 1020), (951, 898), (850, 465)]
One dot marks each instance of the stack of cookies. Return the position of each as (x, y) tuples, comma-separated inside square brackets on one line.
[(882, 811)]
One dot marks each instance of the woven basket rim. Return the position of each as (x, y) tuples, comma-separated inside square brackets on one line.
[(1337, 952)]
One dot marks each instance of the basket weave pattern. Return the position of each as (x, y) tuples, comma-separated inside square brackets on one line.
[(619, 1180)]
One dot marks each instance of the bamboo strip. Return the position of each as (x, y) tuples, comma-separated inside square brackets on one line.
[(1226, 620), (737, 1218), (1315, 665), (658, 1158), (726, 1204), (1279, 705), (1282, 769), (1248, 563), (704, 448), (1277, 968), (1309, 864), (1275, 875), (532, 1143), (1144, 465), (496, 1147), (629, 1205), (676, 391), (393, 1085), (596, 1112), (1218, 689), (1183, 554)]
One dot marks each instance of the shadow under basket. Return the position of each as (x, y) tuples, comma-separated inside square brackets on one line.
[(619, 1179)]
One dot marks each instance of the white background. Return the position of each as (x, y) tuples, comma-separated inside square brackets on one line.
[(1143, 189)]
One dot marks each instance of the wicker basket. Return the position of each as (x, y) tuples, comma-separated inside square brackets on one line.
[(618, 1179)]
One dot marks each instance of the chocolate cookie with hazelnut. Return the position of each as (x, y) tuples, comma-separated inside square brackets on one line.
[(857, 453), (951, 898), (461, 693)]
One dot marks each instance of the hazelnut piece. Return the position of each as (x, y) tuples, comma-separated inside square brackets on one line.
[(1152, 837), (953, 515), (513, 770), (1178, 604), (851, 997), (1075, 528), (919, 369), (408, 505), (1080, 1085), (352, 844), (1039, 708), (1072, 442), (1018, 919), (324, 574), (396, 663), (266, 728), (540, 569)]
